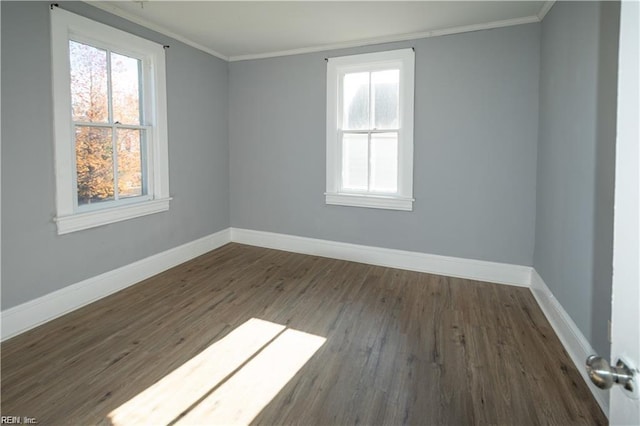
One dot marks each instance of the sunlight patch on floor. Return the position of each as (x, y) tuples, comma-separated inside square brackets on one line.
[(241, 398), (266, 356)]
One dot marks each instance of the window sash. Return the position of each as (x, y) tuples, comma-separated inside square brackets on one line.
[(145, 91), (147, 183), (114, 126), (370, 69), (369, 133)]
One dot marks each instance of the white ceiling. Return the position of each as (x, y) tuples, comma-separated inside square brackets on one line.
[(236, 30)]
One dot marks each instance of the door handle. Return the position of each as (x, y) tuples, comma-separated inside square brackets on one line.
[(605, 376)]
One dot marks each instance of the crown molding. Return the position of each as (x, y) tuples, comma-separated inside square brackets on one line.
[(391, 39), (108, 7), (546, 7)]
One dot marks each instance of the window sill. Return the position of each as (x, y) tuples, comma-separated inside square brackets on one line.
[(370, 201), (80, 221)]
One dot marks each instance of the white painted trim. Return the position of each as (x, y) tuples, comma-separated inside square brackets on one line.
[(66, 26), (35, 312), (28, 315), (108, 7), (390, 39), (546, 7), (402, 60), (479, 270), (79, 221), (574, 342), (370, 201)]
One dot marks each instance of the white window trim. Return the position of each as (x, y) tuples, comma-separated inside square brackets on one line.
[(66, 25), (336, 68)]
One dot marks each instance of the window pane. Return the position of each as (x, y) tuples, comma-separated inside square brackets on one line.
[(129, 163), (384, 162), (356, 101), (125, 88), (355, 161), (386, 90), (94, 164), (89, 99)]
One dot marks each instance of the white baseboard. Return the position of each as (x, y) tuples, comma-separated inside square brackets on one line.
[(574, 342), (500, 273), (28, 315)]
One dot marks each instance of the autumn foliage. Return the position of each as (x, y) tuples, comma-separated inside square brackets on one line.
[(105, 97)]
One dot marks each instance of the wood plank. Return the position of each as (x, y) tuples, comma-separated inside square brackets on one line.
[(401, 347)]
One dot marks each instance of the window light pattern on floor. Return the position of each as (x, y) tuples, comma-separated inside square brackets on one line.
[(228, 383)]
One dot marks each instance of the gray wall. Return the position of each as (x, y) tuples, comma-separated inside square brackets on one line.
[(35, 260), (575, 177), (255, 129), (476, 110)]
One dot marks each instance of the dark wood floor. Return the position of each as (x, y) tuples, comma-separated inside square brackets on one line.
[(401, 348)]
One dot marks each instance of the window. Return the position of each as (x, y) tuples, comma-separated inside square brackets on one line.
[(110, 124), (370, 130)]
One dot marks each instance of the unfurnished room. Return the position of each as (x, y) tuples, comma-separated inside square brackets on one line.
[(320, 212)]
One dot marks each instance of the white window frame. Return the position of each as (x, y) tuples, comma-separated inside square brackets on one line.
[(404, 60), (70, 217)]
